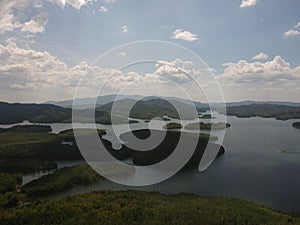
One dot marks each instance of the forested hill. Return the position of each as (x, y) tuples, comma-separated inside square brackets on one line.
[(141, 208), (280, 112), (17, 113), (148, 109)]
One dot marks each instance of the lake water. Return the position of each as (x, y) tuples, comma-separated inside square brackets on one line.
[(253, 167)]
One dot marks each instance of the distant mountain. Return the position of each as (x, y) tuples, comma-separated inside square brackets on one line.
[(229, 104), (40, 113), (88, 103), (147, 108), (150, 108), (17, 113), (85, 103), (280, 112)]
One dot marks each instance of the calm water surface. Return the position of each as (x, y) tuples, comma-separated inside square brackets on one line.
[(253, 167)]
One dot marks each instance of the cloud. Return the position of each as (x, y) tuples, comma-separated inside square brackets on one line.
[(103, 9), (274, 79), (124, 29), (110, 1), (37, 24), (12, 14), (9, 11), (246, 71), (291, 33), (184, 35), (122, 54), (40, 76), (248, 3), (77, 4), (260, 56)]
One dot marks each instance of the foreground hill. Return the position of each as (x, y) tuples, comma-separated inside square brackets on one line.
[(136, 207)]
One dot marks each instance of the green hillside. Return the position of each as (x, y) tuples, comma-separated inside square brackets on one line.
[(138, 208)]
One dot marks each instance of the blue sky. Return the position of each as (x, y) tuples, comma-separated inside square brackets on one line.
[(220, 32)]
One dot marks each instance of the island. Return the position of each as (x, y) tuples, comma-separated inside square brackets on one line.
[(206, 116), (171, 126), (296, 125), (207, 126), (28, 128), (168, 145)]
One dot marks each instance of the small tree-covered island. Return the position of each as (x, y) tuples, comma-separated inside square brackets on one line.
[(207, 126), (296, 125), (171, 126)]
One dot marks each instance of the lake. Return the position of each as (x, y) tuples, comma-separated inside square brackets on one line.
[(253, 167)]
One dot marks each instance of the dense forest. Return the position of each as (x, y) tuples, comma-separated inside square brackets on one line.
[(136, 207), (169, 144)]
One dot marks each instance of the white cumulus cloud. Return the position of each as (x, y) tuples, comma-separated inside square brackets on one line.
[(260, 56), (124, 29), (180, 34), (77, 4), (103, 9), (291, 33), (274, 79), (248, 3), (122, 54), (37, 24)]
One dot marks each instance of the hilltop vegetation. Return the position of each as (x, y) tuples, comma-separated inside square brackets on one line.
[(138, 208)]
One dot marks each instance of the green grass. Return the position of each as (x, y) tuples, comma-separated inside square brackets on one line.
[(151, 208)]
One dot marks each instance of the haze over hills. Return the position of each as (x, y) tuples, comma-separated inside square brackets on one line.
[(82, 103), (146, 108)]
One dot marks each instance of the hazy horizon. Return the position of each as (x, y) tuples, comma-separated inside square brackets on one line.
[(158, 96)]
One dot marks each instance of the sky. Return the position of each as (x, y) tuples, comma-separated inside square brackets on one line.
[(250, 49)]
